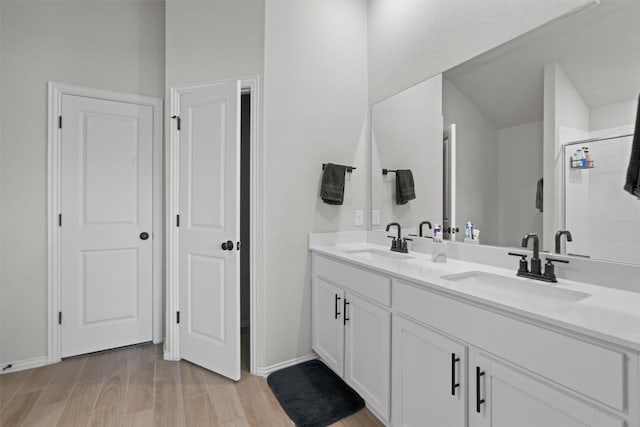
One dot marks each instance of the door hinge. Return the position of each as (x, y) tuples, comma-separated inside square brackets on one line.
[(59, 318), (177, 220), (59, 220), (59, 122), (177, 317), (177, 121)]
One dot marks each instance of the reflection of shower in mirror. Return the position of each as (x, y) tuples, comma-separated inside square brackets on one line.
[(603, 219)]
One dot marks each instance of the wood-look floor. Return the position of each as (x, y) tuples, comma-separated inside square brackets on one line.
[(136, 387)]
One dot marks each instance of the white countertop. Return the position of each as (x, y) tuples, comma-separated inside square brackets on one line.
[(607, 314)]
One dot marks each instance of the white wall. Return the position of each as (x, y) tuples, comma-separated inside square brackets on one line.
[(213, 40), (104, 44), (315, 112), (519, 168), (476, 164), (407, 134), (411, 40), (613, 115)]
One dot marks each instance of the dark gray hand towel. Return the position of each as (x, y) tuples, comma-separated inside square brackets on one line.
[(332, 190), (405, 188), (632, 183), (540, 194)]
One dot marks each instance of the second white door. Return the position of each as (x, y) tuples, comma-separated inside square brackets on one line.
[(209, 227)]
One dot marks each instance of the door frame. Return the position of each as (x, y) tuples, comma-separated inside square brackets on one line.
[(251, 85), (55, 92)]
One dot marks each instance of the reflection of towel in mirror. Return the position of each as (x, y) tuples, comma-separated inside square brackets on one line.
[(539, 194), (332, 190), (405, 189), (632, 183)]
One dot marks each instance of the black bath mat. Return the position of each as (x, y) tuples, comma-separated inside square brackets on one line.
[(313, 395)]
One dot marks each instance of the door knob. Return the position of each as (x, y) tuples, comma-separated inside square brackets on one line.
[(144, 235), (227, 246)]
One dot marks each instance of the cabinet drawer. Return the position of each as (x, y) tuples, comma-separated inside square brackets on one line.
[(589, 369), (371, 285)]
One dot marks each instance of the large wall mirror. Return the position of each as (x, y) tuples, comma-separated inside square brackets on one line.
[(524, 111)]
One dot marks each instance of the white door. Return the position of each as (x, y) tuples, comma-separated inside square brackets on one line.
[(368, 352), (209, 208), (429, 383), (106, 203), (449, 175), (327, 323)]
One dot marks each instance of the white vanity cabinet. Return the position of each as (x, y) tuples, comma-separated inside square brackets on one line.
[(327, 324), (429, 377), (528, 376), (436, 379), (351, 330), (510, 397), (423, 356), (368, 352)]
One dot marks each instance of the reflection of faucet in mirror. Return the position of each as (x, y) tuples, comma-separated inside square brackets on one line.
[(420, 228), (559, 235)]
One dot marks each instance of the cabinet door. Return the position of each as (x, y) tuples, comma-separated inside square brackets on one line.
[(429, 385), (368, 352), (327, 323), (503, 396)]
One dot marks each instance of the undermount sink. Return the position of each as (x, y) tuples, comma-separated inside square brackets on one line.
[(513, 289), (378, 254)]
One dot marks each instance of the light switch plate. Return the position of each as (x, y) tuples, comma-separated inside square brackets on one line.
[(359, 218), (375, 217)]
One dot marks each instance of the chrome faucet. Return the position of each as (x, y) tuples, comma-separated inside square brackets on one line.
[(536, 273), (398, 244), (559, 235), (420, 227)]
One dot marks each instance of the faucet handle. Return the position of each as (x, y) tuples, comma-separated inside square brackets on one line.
[(524, 256), (549, 268), (394, 242), (550, 260), (522, 267)]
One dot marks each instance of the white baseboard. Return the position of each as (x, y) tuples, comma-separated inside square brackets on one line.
[(21, 365), (266, 370), (167, 356), (378, 416)]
